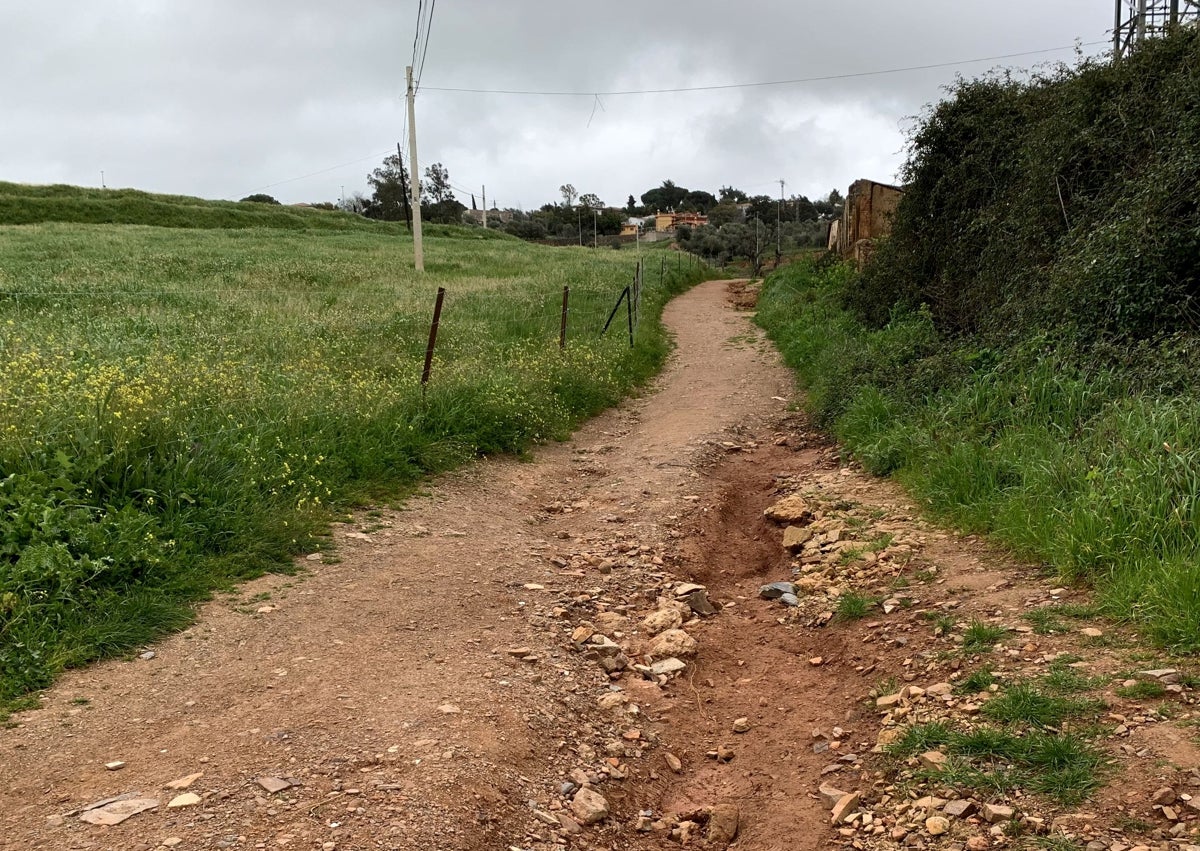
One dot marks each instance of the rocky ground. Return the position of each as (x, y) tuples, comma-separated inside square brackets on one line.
[(693, 625)]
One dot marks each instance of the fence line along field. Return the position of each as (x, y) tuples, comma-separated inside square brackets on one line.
[(181, 407)]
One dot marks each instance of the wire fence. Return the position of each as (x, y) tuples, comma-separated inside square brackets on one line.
[(82, 364)]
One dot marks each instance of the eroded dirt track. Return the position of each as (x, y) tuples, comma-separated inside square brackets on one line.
[(438, 686), (390, 667)]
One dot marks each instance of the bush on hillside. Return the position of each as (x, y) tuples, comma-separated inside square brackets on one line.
[(1067, 201)]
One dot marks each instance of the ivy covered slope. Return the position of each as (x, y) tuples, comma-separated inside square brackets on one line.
[(1024, 351)]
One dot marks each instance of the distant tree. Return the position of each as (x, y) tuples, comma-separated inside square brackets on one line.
[(698, 201), (731, 196), (763, 207), (389, 197), (259, 198), (723, 214), (361, 206), (436, 187), (438, 203), (607, 223), (831, 206), (667, 196), (569, 194), (526, 229), (801, 209), (591, 201), (733, 241), (631, 206)]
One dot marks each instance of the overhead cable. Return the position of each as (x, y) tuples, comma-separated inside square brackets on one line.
[(763, 83), (425, 49)]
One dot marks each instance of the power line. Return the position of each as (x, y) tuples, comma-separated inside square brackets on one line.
[(798, 80), (425, 50), (764, 83), (417, 31), (321, 171)]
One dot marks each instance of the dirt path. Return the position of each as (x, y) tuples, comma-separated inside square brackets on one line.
[(465, 662), (388, 672)]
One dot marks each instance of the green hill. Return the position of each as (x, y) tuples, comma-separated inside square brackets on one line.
[(25, 204)]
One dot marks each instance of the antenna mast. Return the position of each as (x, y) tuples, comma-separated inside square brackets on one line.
[(1137, 20)]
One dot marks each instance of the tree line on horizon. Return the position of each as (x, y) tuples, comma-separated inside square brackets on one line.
[(739, 224)]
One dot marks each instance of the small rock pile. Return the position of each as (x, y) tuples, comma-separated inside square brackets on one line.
[(838, 547)]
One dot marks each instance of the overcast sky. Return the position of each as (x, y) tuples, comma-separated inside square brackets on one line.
[(220, 99)]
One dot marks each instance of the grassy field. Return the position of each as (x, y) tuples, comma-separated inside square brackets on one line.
[(182, 407)]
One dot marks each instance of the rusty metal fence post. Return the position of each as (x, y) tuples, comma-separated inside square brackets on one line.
[(562, 325), (433, 331)]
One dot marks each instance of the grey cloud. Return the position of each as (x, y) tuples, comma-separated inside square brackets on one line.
[(220, 98)]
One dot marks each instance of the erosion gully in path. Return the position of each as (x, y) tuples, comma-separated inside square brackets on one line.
[(456, 669)]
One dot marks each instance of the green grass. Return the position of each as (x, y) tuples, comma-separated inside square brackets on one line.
[(1045, 622), (989, 760), (1025, 703), (887, 685), (980, 637), (853, 605), (919, 738), (1142, 690), (1055, 843), (24, 204), (976, 681), (942, 624), (181, 408), (1061, 678), (851, 555), (1021, 743)]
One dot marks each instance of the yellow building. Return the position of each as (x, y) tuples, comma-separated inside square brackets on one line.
[(668, 222)]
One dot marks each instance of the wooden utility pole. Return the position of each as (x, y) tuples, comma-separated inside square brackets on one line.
[(415, 181), (485, 208)]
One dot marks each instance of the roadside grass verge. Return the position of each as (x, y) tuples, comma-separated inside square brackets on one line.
[(1082, 465), (181, 409)]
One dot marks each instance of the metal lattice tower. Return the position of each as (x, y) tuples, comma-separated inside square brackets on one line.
[(1137, 20)]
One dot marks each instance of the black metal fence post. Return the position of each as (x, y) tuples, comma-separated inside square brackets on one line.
[(629, 313), (624, 295)]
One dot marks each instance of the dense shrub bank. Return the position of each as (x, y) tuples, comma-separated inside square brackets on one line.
[(1068, 202), (1023, 351), (1080, 466)]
